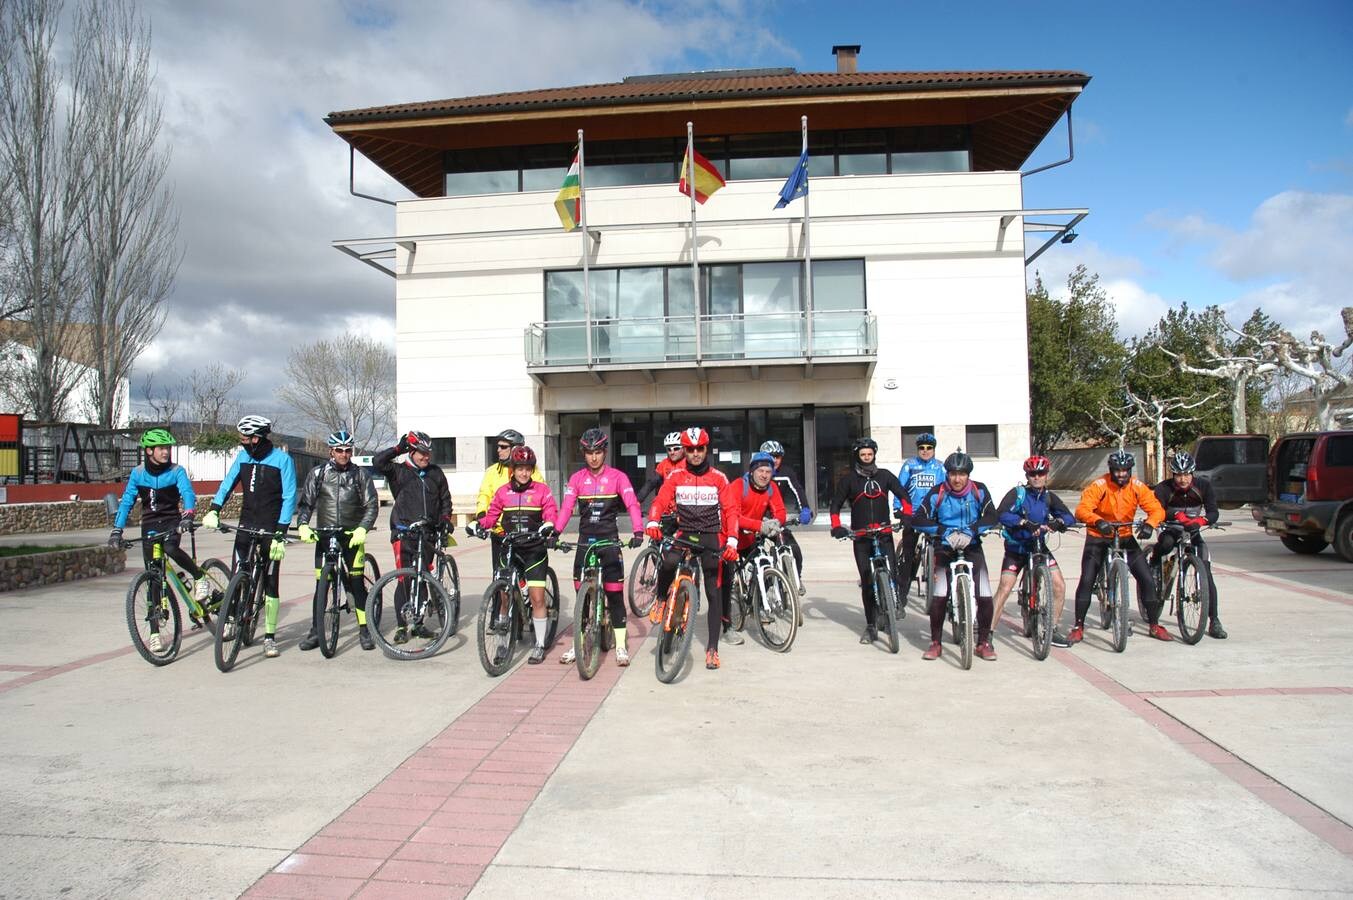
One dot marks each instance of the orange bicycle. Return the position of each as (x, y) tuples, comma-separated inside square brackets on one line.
[(680, 611)]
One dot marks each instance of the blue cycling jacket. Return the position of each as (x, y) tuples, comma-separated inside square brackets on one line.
[(1036, 506), (918, 477), (269, 486), (160, 495), (942, 511)]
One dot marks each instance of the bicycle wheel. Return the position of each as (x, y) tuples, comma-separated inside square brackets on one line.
[(1118, 600), (551, 609), (328, 603), (1027, 617), (1194, 601), (963, 618), (153, 616), (925, 575), (674, 643), (497, 633), (217, 574), (737, 603), (779, 611), (884, 604), (448, 573), (425, 612), (587, 632), (230, 626), (1101, 593), (790, 570), (1039, 626), (253, 612), (643, 580), (371, 571)]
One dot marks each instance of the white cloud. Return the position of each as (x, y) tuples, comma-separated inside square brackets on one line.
[(1294, 257), (1136, 308), (261, 181)]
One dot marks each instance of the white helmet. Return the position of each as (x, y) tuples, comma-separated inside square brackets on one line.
[(250, 425), (673, 439)]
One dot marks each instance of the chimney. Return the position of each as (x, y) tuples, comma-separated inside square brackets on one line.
[(847, 58)]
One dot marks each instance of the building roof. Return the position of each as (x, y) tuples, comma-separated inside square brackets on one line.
[(1009, 112)]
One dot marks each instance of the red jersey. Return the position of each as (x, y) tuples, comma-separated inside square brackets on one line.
[(695, 498), (744, 507)]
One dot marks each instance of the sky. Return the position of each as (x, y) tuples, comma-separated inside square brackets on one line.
[(1214, 145)]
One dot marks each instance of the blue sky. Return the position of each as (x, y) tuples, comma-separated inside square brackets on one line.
[(1214, 144)]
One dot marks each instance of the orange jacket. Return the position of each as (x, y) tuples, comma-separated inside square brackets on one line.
[(1104, 500)]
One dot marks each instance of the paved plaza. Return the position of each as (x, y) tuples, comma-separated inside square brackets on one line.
[(836, 770)]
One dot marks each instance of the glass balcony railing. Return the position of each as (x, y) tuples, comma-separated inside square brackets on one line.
[(761, 336)]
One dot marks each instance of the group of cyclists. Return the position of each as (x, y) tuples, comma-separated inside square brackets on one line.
[(932, 500)]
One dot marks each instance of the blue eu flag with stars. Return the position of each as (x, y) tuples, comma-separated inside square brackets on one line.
[(796, 185)]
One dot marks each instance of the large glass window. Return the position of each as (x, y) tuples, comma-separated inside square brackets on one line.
[(837, 428), (773, 309)]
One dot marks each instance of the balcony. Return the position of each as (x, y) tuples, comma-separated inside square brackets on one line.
[(670, 343)]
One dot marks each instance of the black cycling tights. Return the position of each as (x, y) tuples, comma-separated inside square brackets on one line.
[(1092, 559)]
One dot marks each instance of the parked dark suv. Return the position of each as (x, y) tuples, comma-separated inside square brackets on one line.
[(1236, 465), (1310, 492)]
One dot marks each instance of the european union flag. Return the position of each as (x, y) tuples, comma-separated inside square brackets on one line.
[(796, 185)]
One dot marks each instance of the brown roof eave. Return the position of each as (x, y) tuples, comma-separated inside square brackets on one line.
[(377, 116)]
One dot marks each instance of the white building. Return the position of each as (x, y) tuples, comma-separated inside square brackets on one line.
[(917, 318)]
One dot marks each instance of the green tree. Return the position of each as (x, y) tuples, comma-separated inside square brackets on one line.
[(1075, 359)]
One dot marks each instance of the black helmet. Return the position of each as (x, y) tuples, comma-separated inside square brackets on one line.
[(1121, 459), (958, 461), (1183, 463), (864, 443), (419, 440), (512, 436), (594, 439)]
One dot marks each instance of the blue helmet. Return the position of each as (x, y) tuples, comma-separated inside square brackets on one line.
[(760, 459), (340, 440), (925, 437)]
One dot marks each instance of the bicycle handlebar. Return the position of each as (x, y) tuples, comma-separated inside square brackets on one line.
[(253, 532)]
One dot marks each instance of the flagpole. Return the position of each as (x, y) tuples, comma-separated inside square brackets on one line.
[(807, 251), (582, 221), (695, 241)]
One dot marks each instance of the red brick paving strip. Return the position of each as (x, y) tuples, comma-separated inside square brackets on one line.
[(1329, 829), (432, 826)]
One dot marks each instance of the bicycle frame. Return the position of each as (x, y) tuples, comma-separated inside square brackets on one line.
[(687, 569), (166, 574)]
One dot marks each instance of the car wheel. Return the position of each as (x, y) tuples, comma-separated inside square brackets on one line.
[(1343, 537), (1304, 544)]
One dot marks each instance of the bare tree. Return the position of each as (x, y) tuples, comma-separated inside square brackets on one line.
[(1161, 411), (42, 147), (128, 241), (211, 400), (1322, 364), (1237, 369), (162, 400), (346, 382)]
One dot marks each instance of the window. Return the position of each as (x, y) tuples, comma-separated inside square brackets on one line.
[(909, 435), (1339, 451), (936, 161), (444, 452), (981, 441)]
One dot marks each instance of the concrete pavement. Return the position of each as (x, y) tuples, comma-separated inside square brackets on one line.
[(833, 770)]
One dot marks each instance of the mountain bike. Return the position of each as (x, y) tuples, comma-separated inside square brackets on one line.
[(330, 597), (416, 625), (242, 607), (761, 590), (1034, 593), (151, 604), (506, 610), (789, 567), (1181, 575), (962, 609), (890, 608), (680, 609), (1111, 589), (593, 636), (643, 580)]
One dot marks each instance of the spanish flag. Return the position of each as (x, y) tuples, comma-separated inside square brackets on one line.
[(707, 177), (569, 202)]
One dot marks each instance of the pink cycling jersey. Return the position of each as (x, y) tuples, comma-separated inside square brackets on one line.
[(520, 508), (600, 499)]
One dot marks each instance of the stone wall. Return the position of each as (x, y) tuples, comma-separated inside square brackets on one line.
[(78, 515), (58, 566)]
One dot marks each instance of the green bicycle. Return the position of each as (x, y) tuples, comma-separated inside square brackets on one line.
[(151, 604)]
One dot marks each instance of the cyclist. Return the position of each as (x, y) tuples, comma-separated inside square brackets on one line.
[(601, 492), (420, 493), (524, 504), (167, 507), (1190, 501), (1027, 511), (752, 505), (692, 493), (790, 486), (676, 459), (917, 475), (866, 487), (957, 511), (341, 495), (268, 479), (495, 476), (1116, 497)]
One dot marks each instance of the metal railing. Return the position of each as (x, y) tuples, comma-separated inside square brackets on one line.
[(836, 334)]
